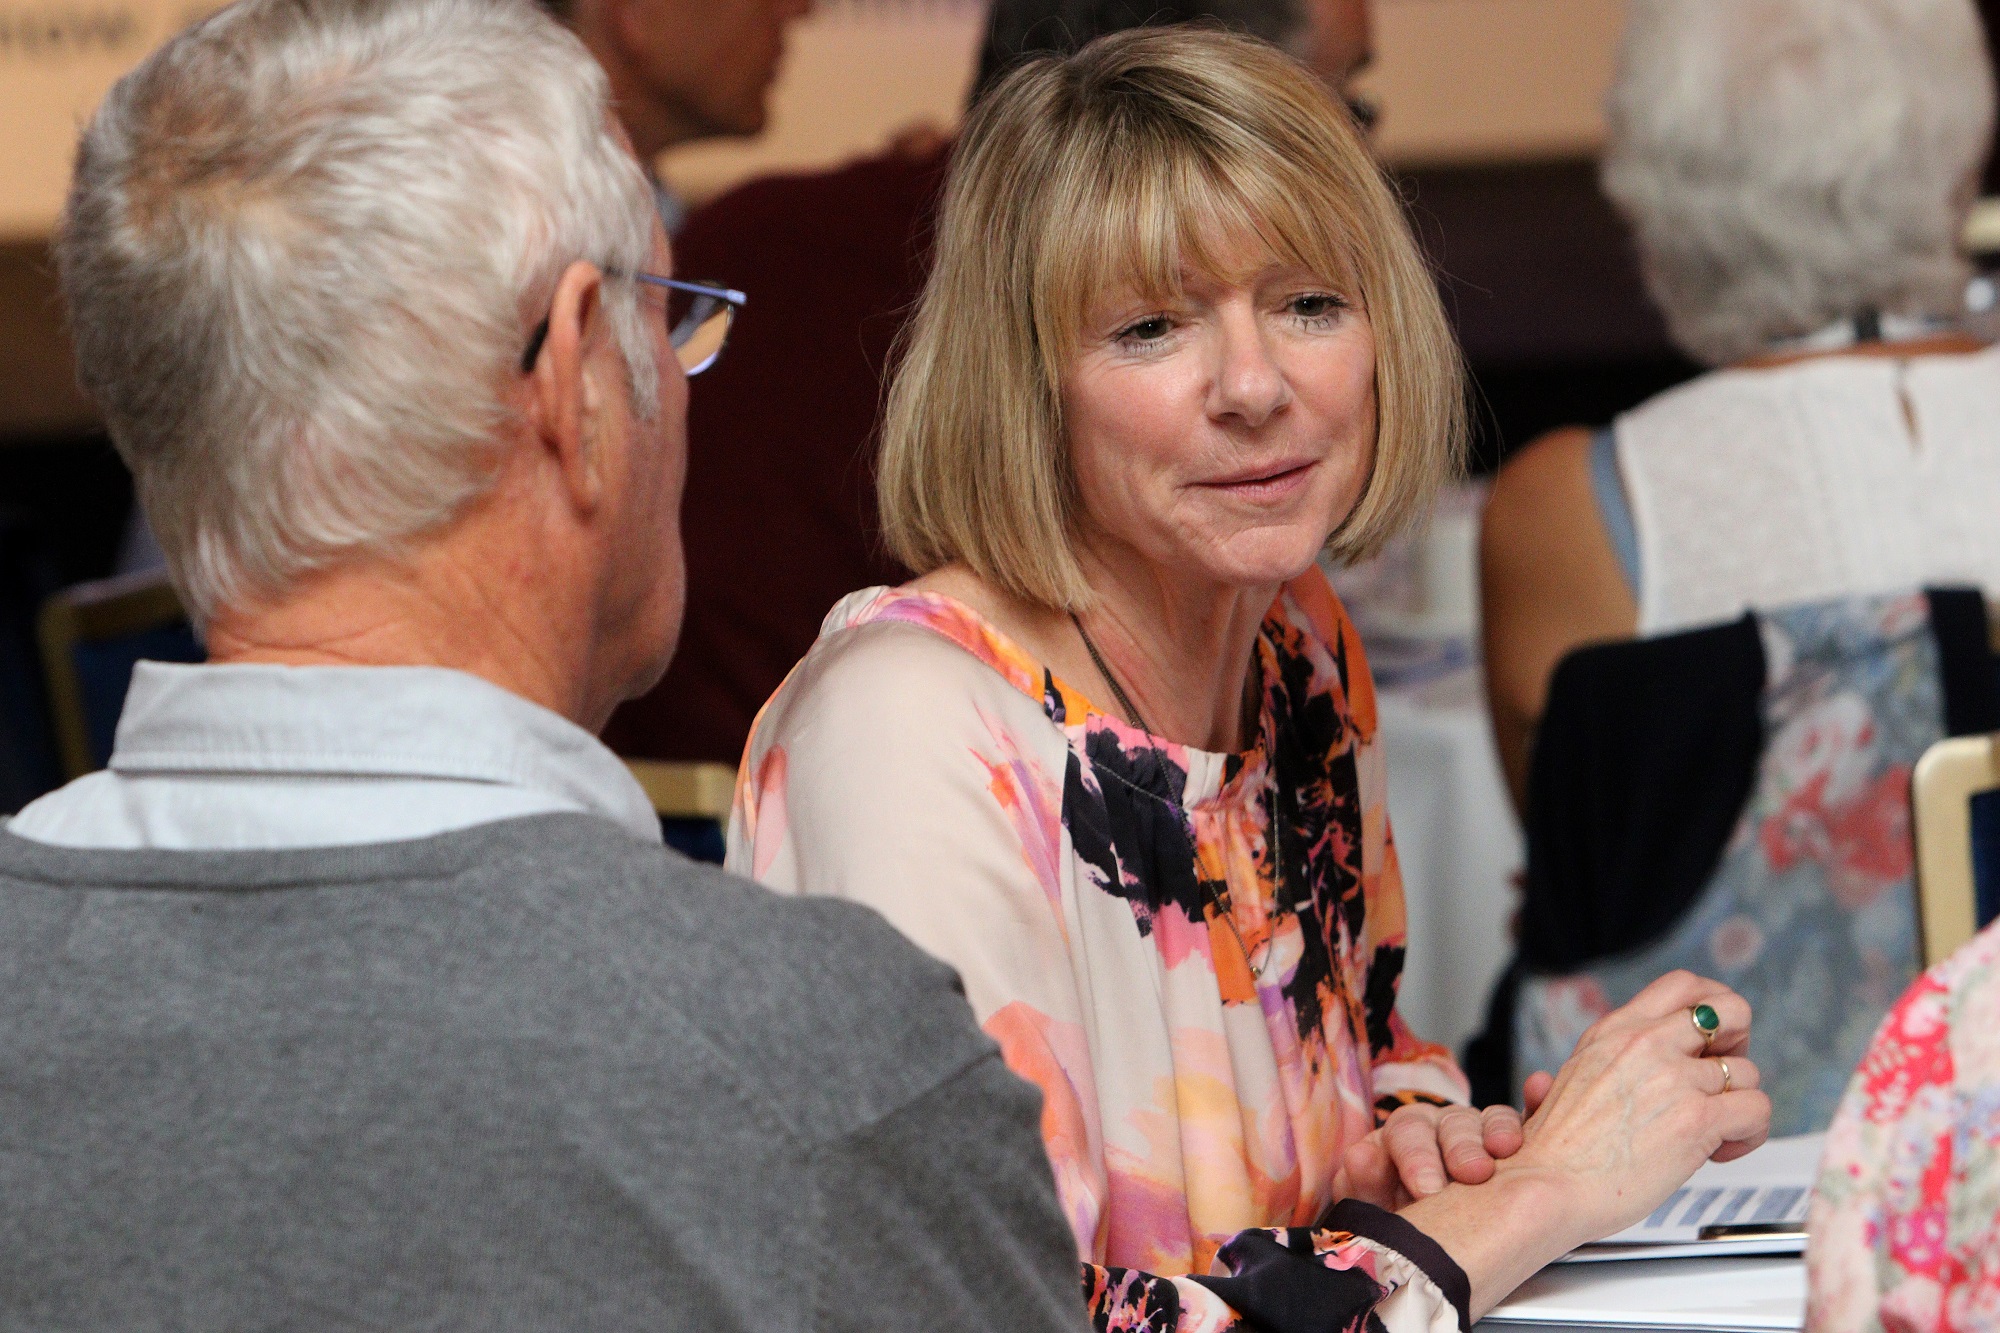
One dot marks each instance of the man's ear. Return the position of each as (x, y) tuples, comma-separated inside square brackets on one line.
[(566, 393)]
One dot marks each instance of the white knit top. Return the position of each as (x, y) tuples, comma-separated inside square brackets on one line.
[(1825, 478)]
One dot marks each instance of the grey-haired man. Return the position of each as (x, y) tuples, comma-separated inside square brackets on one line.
[(359, 991)]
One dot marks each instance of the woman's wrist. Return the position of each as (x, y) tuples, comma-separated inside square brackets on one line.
[(1503, 1232)]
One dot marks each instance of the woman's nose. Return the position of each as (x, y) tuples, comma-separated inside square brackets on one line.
[(1249, 383)]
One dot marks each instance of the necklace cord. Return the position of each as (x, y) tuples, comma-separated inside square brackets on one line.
[(1277, 852)]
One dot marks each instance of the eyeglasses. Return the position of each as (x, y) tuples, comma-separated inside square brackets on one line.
[(698, 318)]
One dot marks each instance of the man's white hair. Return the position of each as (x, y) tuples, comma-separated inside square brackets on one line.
[(303, 250), (1789, 163)]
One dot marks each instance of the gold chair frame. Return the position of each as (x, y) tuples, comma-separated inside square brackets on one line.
[(89, 613), (686, 790), (1946, 779)]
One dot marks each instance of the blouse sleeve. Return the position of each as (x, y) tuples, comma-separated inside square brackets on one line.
[(1364, 1269), (896, 771), (1905, 1222), (1406, 1068)]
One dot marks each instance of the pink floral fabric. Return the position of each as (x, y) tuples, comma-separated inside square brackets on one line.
[(1905, 1225)]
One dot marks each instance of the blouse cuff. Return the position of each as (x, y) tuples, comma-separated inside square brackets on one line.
[(1392, 1232), (1360, 1260)]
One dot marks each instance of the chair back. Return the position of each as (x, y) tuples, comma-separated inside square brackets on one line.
[(92, 635), (692, 801), (1946, 787), (1809, 907), (686, 790)]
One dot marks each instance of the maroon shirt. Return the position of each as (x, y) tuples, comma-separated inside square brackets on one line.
[(780, 518)]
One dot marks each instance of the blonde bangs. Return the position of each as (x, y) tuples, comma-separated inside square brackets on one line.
[(1163, 203)]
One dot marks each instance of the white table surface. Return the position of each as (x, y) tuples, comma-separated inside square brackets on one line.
[(1704, 1295), (1459, 845)]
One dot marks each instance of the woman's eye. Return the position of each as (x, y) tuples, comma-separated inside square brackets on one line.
[(1317, 306), (1151, 329)]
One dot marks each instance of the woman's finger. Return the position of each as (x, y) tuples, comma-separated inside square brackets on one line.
[(1731, 1013), (1500, 1127), (1461, 1138), (1729, 1073), (1733, 1038), (1670, 991), (1681, 991), (1369, 1174), (1412, 1139), (1535, 1090), (1744, 1117)]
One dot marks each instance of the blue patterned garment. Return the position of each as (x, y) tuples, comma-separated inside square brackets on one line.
[(1811, 915)]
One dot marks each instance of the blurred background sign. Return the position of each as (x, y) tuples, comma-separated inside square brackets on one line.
[(57, 58)]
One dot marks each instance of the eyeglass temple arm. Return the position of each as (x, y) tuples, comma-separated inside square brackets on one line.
[(540, 334), (720, 293)]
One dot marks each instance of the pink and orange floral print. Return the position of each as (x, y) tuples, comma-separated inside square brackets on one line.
[(1077, 873)]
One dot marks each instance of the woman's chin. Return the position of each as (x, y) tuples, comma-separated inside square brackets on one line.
[(1261, 564)]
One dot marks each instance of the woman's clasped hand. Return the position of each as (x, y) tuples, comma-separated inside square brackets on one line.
[(1645, 1100), (1421, 1148)]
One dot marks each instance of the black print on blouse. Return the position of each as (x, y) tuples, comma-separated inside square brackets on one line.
[(1142, 1303), (1380, 994), (1270, 1288), (1130, 826), (1132, 829), (1319, 831)]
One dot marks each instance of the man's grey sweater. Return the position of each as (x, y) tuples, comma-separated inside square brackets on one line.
[(531, 1075)]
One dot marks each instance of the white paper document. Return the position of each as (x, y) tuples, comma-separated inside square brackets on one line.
[(1771, 1188), (1712, 1295)]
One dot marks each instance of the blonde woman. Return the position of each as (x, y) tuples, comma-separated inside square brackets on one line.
[(1113, 756)]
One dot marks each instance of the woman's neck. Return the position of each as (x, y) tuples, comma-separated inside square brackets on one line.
[(1182, 654)]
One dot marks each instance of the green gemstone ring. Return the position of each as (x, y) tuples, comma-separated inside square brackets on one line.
[(1706, 1021)]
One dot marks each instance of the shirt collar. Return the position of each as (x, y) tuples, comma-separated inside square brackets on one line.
[(331, 721)]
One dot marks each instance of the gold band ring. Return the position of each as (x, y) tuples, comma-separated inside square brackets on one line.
[(1726, 1080)]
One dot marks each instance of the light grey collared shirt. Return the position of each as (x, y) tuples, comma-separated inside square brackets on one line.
[(258, 756)]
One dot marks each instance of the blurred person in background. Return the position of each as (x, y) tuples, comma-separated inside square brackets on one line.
[(1798, 176), (1116, 755), (359, 989), (781, 518), (683, 70)]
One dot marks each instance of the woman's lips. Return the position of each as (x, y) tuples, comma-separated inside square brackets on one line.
[(1266, 485)]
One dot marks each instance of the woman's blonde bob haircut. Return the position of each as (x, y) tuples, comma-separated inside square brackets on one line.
[(1135, 159)]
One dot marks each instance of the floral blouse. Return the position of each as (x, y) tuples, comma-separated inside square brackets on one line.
[(1209, 1036), (1905, 1227)]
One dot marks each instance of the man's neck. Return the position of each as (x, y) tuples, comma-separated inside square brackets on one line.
[(414, 615)]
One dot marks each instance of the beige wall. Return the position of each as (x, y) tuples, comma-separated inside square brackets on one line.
[(1459, 79), (56, 59), (1492, 80)]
